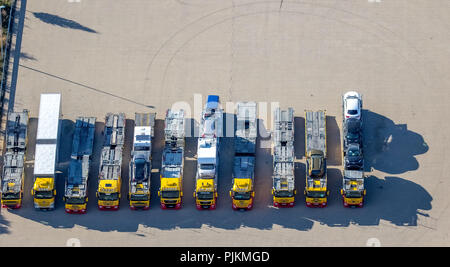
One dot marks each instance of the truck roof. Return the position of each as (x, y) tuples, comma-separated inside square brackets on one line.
[(83, 137), (172, 162), (16, 130), (12, 172), (212, 118), (246, 128), (114, 129), (315, 131), (174, 130), (353, 180), (45, 160), (283, 176), (49, 113), (207, 148), (244, 167)]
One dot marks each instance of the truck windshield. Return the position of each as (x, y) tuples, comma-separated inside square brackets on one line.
[(75, 200), (205, 195), (10, 195), (316, 194), (207, 166), (139, 197), (108, 197), (242, 195), (170, 194), (283, 194), (353, 194), (43, 194)]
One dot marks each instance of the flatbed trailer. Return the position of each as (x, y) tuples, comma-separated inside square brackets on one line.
[(316, 154), (206, 179), (243, 192), (171, 174), (76, 183), (12, 180), (110, 180), (283, 186), (141, 161)]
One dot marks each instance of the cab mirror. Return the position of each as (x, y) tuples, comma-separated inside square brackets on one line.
[(181, 194), (295, 191), (364, 192), (64, 199), (328, 193), (231, 195), (304, 192), (96, 194), (342, 191), (54, 192), (215, 194), (194, 194), (87, 199), (253, 194), (32, 192), (272, 191), (159, 193)]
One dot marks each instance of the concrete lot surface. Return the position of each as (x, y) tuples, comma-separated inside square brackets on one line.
[(143, 56)]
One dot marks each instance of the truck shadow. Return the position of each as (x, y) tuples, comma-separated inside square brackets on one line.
[(390, 147), (4, 224), (393, 199), (334, 152)]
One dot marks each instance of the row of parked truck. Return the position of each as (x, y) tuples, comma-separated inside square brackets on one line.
[(170, 192)]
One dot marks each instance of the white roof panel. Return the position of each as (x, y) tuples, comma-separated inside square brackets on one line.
[(45, 159), (49, 109)]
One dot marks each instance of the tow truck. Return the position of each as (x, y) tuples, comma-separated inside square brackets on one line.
[(316, 154), (283, 187), (242, 192), (110, 180), (13, 161), (76, 184), (171, 174), (353, 191), (140, 163), (205, 193)]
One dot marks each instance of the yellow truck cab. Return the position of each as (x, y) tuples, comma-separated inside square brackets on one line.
[(242, 194), (283, 178), (171, 173), (316, 188), (76, 182), (44, 193), (11, 188), (108, 194), (46, 152), (242, 191), (110, 180), (316, 191), (171, 193), (205, 194), (140, 165), (353, 191)]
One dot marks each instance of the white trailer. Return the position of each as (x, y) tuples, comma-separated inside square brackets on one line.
[(46, 153)]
